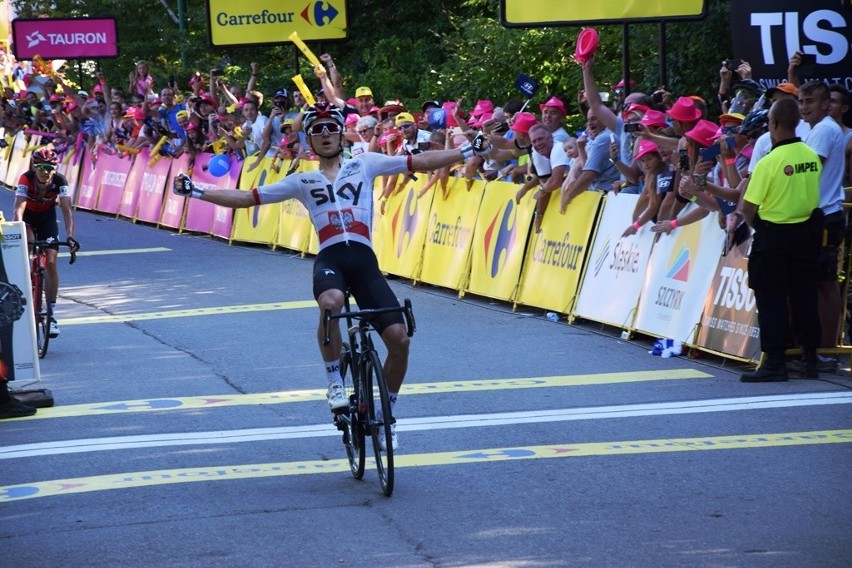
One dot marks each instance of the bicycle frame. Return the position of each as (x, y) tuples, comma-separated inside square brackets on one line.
[(369, 399), (42, 309)]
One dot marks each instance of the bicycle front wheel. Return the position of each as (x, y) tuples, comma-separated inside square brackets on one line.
[(43, 314), (380, 419), (353, 433)]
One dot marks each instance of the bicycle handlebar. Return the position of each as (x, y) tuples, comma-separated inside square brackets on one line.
[(362, 315), (72, 247)]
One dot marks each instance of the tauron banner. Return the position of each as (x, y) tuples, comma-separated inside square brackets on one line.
[(72, 38), (259, 22), (767, 34)]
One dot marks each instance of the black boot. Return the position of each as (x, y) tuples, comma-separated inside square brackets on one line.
[(771, 371), (809, 369), (13, 408)]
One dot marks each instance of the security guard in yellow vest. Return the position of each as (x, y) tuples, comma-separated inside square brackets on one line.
[(781, 204)]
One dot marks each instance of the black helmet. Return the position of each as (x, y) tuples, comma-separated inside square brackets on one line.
[(322, 110)]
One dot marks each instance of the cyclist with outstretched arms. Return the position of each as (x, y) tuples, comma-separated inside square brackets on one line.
[(339, 199), (38, 192)]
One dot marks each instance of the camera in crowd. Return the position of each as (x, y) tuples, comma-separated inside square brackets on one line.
[(631, 127)]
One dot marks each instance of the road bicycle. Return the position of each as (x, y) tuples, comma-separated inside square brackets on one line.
[(42, 307), (365, 385)]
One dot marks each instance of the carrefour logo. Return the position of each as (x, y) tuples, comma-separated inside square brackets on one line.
[(600, 258), (319, 13), (500, 237)]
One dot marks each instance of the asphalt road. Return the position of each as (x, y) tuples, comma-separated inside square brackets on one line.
[(190, 429)]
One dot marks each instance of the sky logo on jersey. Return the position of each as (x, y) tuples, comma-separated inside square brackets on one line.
[(499, 238), (600, 259), (319, 13), (405, 222)]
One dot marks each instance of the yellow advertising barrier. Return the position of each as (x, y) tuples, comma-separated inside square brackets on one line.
[(258, 224), (295, 229), (449, 235), (555, 256), (499, 240), (402, 230)]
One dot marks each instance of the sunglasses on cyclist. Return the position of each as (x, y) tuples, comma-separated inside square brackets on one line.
[(44, 168), (325, 128)]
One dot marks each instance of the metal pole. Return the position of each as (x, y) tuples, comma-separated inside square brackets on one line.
[(625, 46), (182, 27), (664, 80)]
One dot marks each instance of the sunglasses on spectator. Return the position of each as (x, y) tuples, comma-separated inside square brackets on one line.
[(44, 168), (364, 130), (326, 128), (730, 129), (405, 125)]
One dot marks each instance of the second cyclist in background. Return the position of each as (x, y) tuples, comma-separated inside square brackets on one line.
[(40, 189)]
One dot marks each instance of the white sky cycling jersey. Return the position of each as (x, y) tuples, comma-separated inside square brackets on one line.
[(341, 211)]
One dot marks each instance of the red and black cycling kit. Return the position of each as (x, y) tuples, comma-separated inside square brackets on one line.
[(40, 212)]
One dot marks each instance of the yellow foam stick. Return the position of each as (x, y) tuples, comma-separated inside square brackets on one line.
[(46, 67), (303, 88), (29, 149), (294, 37), (128, 149)]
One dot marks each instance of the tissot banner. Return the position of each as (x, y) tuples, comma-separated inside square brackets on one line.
[(766, 34)]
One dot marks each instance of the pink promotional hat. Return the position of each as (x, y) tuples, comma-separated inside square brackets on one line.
[(704, 133), (482, 106), (351, 119), (448, 108), (645, 147), (482, 118), (634, 107), (587, 43), (554, 102), (523, 122), (654, 118), (684, 110)]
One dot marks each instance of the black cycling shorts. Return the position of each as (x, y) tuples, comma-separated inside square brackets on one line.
[(354, 266), (43, 225)]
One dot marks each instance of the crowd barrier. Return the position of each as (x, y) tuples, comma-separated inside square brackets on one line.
[(477, 240)]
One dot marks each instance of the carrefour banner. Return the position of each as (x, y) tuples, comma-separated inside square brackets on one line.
[(449, 235), (555, 256), (615, 272), (253, 22), (402, 231), (729, 324), (499, 239), (767, 34), (679, 273), (295, 228), (258, 224)]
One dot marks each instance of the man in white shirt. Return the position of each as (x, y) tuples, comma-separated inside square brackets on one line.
[(826, 139)]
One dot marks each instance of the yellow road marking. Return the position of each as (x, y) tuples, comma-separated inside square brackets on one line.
[(217, 401), (215, 311), (253, 471)]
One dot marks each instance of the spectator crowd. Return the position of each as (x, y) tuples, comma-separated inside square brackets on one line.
[(683, 163)]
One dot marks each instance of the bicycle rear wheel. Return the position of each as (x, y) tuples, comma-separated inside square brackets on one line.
[(380, 419), (353, 433), (43, 313)]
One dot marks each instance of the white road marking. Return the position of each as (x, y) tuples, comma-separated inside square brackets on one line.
[(426, 423)]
